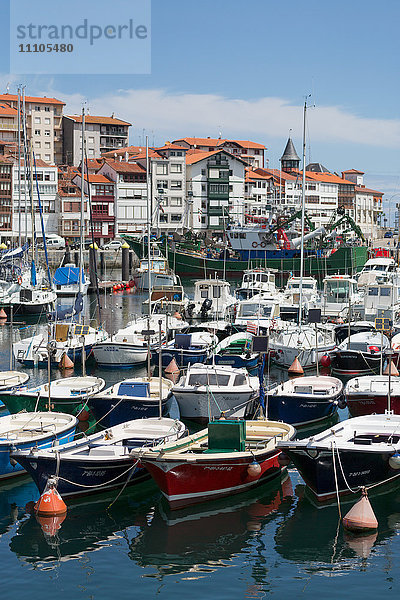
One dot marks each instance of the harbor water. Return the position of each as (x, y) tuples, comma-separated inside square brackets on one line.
[(270, 542)]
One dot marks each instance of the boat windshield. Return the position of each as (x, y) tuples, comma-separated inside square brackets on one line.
[(336, 291), (209, 379), (252, 310)]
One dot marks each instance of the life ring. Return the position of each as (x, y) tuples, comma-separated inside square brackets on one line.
[(177, 297), (254, 244), (19, 279), (263, 244)]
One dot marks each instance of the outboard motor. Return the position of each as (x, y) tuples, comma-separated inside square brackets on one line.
[(205, 307), (189, 310)]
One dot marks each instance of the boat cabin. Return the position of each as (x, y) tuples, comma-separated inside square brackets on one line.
[(261, 310), (338, 292), (217, 290), (381, 300), (375, 268), (256, 281)]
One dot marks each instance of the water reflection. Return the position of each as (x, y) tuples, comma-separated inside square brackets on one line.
[(201, 539), (313, 536), (171, 542)]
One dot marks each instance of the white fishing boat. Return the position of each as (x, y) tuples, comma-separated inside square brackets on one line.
[(10, 380), (300, 342), (259, 312), (160, 273), (339, 292), (212, 299), (311, 298), (31, 300), (381, 299), (129, 346), (206, 391), (376, 268), (65, 338), (256, 281), (101, 461)]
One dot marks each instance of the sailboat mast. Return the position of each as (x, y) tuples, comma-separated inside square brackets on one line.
[(148, 219), (81, 240), (303, 210), (19, 166)]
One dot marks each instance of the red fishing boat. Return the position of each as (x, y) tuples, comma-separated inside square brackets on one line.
[(228, 457)]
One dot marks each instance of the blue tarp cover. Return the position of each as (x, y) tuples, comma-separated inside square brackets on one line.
[(67, 275), (134, 389)]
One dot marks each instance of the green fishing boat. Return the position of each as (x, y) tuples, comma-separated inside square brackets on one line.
[(193, 263)]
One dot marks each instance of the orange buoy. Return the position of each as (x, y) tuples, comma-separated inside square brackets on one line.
[(50, 524), (83, 414), (361, 517), (3, 314), (393, 369), (66, 362), (172, 371), (296, 368), (50, 502)]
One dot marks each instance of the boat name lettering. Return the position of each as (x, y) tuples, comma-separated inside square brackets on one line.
[(93, 473), (358, 473), (227, 468)]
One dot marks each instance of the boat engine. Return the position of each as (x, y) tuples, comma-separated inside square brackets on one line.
[(205, 307), (189, 310)]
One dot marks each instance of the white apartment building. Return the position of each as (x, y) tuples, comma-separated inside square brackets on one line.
[(251, 152), (169, 201), (43, 125), (47, 182), (215, 182), (258, 192), (102, 134), (130, 195), (367, 203)]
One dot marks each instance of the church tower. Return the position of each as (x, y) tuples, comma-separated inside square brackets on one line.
[(289, 159)]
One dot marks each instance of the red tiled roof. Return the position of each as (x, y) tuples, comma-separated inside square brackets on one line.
[(354, 171), (364, 189), (172, 146), (192, 141), (7, 110), (38, 100), (95, 178), (128, 149), (277, 174), (251, 175), (327, 178), (125, 167), (98, 120)]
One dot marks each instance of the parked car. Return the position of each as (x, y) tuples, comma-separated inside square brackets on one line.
[(388, 234), (54, 242), (113, 245)]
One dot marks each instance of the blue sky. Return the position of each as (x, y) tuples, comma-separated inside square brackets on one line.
[(243, 69)]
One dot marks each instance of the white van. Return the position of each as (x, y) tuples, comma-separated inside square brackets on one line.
[(54, 242)]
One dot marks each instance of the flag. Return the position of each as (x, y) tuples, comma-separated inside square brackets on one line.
[(252, 328)]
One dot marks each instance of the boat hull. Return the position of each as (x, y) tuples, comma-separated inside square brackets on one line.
[(347, 260), (300, 410), (350, 362), (199, 406), (236, 360), (367, 404), (7, 470), (114, 355), (360, 468), (17, 402), (199, 480), (183, 358), (85, 477), (113, 411)]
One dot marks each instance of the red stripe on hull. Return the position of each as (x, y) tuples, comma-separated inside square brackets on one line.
[(194, 482)]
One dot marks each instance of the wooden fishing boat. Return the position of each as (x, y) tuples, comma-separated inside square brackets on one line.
[(226, 458)]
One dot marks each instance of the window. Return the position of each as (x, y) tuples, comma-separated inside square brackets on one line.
[(179, 153), (203, 187), (37, 144), (176, 218), (47, 109), (37, 108), (162, 184), (47, 121), (203, 171), (176, 202), (91, 152), (47, 132), (47, 157), (176, 168), (37, 131), (163, 218), (161, 169), (37, 120), (91, 140), (176, 185)]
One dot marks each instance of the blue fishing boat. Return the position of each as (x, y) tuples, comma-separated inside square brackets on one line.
[(186, 349), (25, 431), (101, 461), (305, 400), (134, 398)]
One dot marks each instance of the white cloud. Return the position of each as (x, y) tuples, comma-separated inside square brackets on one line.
[(175, 115)]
